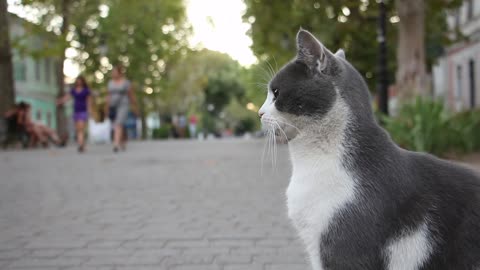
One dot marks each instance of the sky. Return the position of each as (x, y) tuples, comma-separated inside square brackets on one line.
[(217, 25)]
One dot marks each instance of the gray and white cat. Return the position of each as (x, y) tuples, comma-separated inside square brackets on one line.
[(357, 200)]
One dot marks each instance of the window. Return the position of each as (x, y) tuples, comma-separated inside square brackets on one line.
[(458, 90), (457, 18), (471, 74), (38, 115), (469, 9), (37, 69), (48, 74), (49, 119), (20, 70)]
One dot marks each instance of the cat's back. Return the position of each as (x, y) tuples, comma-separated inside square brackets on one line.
[(454, 191), (460, 182)]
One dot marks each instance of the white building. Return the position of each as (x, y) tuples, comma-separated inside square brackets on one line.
[(456, 76)]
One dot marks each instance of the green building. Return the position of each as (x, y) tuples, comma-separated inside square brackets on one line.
[(35, 77)]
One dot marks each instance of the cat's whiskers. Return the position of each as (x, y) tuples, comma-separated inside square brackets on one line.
[(276, 64), (282, 120), (263, 86), (267, 74), (268, 136), (273, 125), (270, 129), (263, 154), (272, 148), (282, 132), (272, 143), (272, 70)]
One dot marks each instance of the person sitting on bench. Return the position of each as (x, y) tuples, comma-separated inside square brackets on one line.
[(16, 131)]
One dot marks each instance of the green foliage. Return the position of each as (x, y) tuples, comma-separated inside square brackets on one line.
[(241, 119), (275, 24), (426, 126), (203, 78), (220, 90), (347, 24), (245, 125), (256, 80), (467, 128), (420, 126), (146, 37), (200, 75), (162, 132), (149, 38), (46, 16), (437, 35), (209, 125)]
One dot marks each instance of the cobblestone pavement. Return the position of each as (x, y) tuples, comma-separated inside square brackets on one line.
[(161, 205)]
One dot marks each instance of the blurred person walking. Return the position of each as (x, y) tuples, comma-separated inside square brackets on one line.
[(175, 126), (120, 95), (182, 125), (81, 104), (192, 125)]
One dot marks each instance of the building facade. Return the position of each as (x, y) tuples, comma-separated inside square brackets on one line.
[(456, 77), (35, 77)]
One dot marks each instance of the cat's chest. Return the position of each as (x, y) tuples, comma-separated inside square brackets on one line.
[(317, 191)]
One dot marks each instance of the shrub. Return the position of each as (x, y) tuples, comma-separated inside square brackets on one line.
[(245, 125), (162, 132), (426, 126), (466, 126)]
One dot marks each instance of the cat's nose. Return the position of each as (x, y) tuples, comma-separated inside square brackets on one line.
[(260, 114)]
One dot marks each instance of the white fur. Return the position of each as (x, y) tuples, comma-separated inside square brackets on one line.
[(410, 251), (268, 106), (320, 185), (318, 188)]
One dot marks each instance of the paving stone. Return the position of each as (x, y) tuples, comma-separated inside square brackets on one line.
[(230, 259), (12, 254), (286, 259), (287, 267), (195, 267), (206, 250), (104, 244), (232, 243), (248, 266), (123, 260), (175, 205), (187, 243), (44, 262), (46, 253)]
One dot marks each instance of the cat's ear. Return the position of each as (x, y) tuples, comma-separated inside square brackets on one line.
[(311, 51), (341, 54)]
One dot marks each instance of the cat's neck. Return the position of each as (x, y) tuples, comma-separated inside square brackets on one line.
[(321, 138), (340, 138), (315, 144)]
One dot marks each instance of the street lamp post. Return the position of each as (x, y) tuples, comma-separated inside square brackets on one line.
[(382, 88)]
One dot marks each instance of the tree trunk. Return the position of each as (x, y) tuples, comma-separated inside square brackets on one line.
[(7, 88), (61, 118), (411, 79)]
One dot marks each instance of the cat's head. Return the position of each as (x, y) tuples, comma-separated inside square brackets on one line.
[(317, 88)]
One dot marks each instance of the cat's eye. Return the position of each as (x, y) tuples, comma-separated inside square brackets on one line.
[(275, 92)]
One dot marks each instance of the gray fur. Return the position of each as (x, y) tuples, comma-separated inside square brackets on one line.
[(341, 54), (397, 190)]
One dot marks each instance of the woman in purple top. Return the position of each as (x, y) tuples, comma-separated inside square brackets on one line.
[(81, 100)]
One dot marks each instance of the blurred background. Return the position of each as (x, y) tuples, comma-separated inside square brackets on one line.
[(193, 190), (208, 62)]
